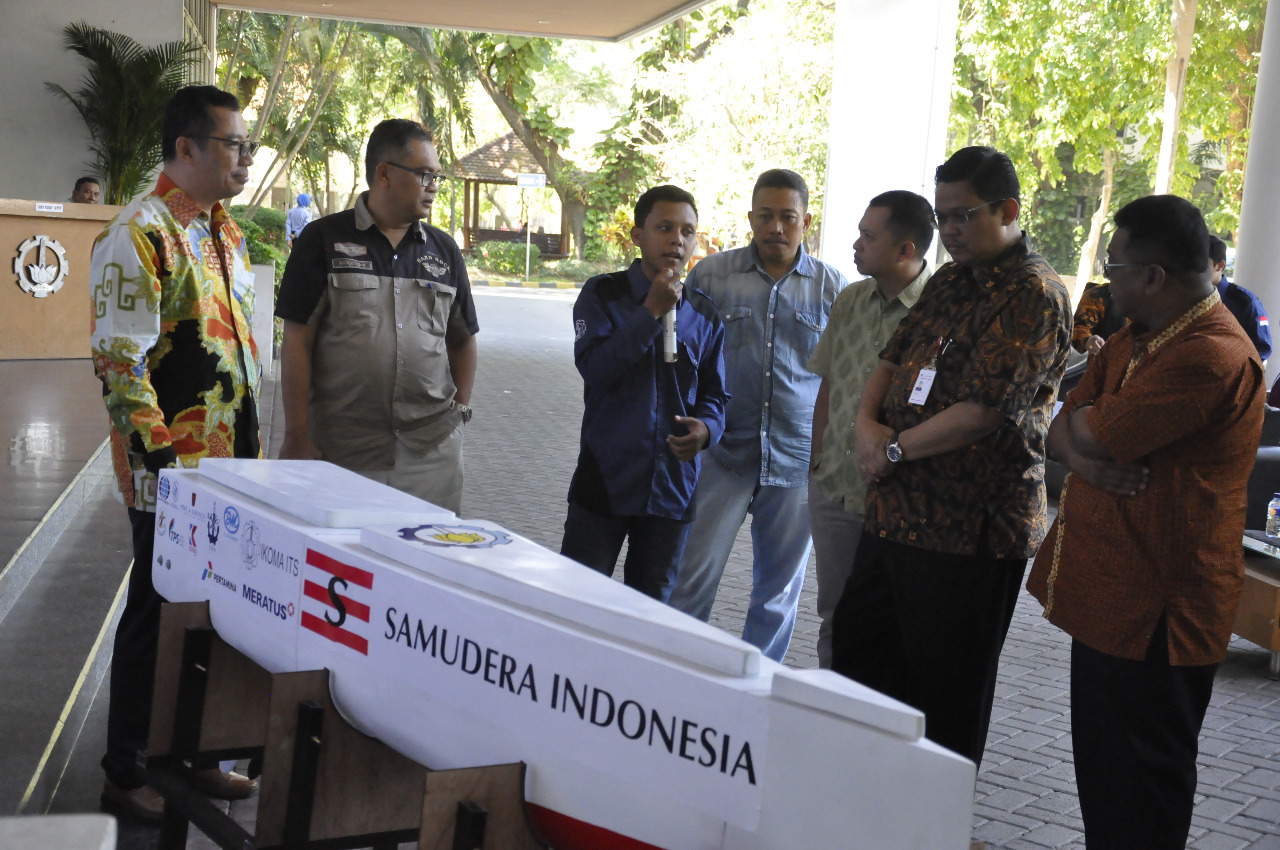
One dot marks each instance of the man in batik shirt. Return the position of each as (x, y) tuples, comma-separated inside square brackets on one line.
[(1143, 564), (171, 341), (950, 434)]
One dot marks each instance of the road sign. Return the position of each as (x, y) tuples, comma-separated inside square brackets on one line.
[(531, 181)]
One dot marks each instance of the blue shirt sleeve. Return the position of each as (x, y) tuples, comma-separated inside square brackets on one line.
[(609, 344)]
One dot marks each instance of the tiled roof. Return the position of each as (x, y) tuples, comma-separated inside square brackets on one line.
[(497, 162)]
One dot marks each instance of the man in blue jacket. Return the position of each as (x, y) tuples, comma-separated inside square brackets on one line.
[(1243, 303), (649, 411)]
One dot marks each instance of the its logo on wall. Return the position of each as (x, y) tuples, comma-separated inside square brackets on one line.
[(329, 591), (456, 536), (47, 269)]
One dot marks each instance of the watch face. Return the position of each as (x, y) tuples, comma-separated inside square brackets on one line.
[(893, 451)]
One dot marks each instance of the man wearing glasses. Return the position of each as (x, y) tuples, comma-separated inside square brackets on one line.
[(1143, 565), (950, 435), (171, 341), (379, 351)]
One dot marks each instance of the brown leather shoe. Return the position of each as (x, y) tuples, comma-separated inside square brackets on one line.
[(143, 803), (225, 786)]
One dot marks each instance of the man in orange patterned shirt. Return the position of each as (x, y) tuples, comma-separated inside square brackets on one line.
[(950, 433), (1143, 564), (171, 341)]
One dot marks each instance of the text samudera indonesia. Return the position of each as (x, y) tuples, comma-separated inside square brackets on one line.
[(704, 745)]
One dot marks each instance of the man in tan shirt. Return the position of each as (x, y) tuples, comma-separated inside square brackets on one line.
[(893, 238)]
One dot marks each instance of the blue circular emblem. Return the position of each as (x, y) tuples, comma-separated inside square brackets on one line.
[(231, 519), (163, 490), (456, 536)]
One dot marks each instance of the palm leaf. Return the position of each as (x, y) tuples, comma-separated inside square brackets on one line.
[(121, 101)]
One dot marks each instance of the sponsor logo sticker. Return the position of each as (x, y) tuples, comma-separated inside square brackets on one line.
[(330, 591), (456, 536), (231, 520)]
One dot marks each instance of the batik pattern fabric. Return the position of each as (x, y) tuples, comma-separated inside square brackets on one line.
[(170, 338), (999, 338)]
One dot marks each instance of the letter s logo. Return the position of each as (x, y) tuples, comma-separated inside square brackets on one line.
[(336, 601)]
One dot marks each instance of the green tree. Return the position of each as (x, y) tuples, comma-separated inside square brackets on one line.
[(121, 99)]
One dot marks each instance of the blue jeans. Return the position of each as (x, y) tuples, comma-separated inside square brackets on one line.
[(779, 540), (654, 545)]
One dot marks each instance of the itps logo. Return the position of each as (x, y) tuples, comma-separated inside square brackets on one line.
[(330, 590)]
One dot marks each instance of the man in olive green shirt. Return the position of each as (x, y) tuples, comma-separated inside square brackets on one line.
[(893, 238)]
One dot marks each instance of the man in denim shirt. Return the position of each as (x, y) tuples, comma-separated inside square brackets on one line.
[(774, 300), (646, 418)]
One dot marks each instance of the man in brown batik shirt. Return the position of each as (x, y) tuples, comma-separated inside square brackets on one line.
[(951, 434)]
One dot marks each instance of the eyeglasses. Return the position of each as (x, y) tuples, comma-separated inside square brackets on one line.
[(1109, 268), (428, 178), (962, 218), (246, 147)]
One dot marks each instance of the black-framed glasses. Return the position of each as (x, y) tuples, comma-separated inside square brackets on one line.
[(427, 177), (963, 218), (1109, 268), (245, 146)]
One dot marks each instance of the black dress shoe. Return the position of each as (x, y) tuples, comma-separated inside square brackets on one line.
[(224, 786), (143, 803)]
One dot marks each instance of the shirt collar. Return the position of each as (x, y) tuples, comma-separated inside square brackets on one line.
[(183, 206), (911, 293), (364, 219), (751, 259)]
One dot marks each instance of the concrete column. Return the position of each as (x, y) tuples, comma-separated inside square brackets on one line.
[(890, 100), (1260, 209)]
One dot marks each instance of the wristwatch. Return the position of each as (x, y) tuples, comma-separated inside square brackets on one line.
[(892, 450), (463, 409)]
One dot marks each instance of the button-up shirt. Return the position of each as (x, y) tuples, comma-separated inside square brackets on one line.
[(997, 337), (1190, 410), (862, 321), (382, 314), (170, 338), (632, 396), (770, 329)]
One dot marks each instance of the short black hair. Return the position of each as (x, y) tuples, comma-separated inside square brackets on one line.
[(186, 115), (1168, 231), (910, 217), (87, 179), (666, 192), (390, 140), (987, 170), (782, 178), (1217, 250)]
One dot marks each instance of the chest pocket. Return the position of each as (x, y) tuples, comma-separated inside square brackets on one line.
[(809, 327), (737, 326), (354, 299), (435, 300)]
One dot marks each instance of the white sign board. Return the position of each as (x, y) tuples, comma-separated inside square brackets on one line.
[(459, 644), (531, 181)]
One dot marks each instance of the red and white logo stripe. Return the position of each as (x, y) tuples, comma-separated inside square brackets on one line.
[(329, 590)]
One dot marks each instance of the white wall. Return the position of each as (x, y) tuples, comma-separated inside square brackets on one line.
[(1260, 207), (43, 141), (889, 106)]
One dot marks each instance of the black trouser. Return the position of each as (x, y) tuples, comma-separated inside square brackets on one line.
[(133, 662), (654, 547), (927, 628), (1135, 727)]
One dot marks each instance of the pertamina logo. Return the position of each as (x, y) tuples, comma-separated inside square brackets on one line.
[(331, 609)]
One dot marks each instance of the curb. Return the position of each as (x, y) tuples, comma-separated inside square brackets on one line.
[(532, 284)]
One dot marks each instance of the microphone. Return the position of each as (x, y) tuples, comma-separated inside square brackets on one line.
[(669, 353)]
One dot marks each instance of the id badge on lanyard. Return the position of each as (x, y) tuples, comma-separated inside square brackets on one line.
[(928, 372)]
